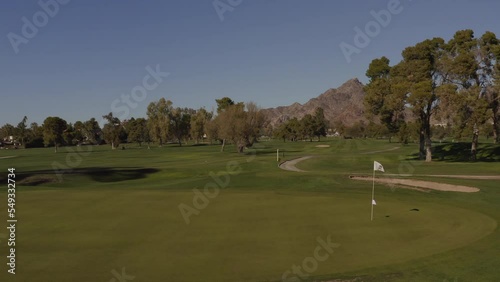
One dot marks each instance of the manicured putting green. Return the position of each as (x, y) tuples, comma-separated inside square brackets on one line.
[(83, 235)]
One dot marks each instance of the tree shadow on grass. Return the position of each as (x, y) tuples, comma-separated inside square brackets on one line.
[(460, 152), (116, 174), (201, 145), (252, 151), (99, 174), (258, 151)]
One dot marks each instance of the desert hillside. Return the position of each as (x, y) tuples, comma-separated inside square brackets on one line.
[(344, 103)]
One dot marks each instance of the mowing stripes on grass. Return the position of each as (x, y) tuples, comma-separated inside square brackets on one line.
[(264, 221)]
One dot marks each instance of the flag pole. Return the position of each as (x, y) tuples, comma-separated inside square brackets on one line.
[(373, 192)]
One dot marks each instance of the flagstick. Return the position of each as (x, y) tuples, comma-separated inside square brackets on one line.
[(373, 193)]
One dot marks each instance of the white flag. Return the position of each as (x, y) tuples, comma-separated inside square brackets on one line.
[(378, 166), (374, 203)]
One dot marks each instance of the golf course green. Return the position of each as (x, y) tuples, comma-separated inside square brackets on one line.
[(193, 213)]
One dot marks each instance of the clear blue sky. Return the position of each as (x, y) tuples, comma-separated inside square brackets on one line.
[(272, 52)]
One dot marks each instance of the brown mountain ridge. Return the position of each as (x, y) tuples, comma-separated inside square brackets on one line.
[(341, 104)]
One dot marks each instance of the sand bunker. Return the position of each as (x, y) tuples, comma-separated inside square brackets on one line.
[(419, 184), (479, 177), (290, 165), (322, 146)]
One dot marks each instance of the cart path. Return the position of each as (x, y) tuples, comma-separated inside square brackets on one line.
[(290, 165)]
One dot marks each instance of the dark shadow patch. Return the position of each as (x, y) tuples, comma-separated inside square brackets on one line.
[(415, 210), (460, 152), (99, 174), (200, 145), (364, 278), (115, 174), (258, 152), (264, 151)]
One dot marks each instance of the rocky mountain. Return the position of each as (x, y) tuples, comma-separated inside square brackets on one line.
[(344, 103)]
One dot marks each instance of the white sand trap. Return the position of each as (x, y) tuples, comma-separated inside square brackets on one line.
[(480, 177), (8, 157), (381, 151), (290, 165), (322, 146), (419, 184), (477, 177)]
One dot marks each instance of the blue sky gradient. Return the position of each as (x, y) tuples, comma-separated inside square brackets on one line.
[(272, 52)]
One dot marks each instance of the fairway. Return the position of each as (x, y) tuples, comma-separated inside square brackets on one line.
[(121, 209)]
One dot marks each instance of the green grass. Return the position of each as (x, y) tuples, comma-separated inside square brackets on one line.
[(120, 208)]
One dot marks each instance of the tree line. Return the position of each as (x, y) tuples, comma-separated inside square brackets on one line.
[(308, 127), (439, 89), (236, 123)]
